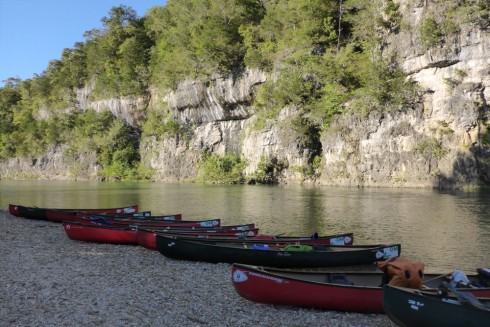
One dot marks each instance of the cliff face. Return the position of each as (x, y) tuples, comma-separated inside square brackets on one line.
[(52, 165), (440, 142), (444, 141), (223, 121), (131, 110)]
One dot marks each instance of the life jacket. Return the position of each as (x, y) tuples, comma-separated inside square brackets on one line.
[(402, 272)]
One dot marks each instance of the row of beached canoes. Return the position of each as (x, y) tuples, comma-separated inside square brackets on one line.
[(264, 267)]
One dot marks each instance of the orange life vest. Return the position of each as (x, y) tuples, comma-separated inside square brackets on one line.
[(402, 272)]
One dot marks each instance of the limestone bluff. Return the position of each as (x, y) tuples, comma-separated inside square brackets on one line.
[(381, 149)]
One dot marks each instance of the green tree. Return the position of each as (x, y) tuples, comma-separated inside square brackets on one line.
[(9, 98), (195, 38), (118, 54)]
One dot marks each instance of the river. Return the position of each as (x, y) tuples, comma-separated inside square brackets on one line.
[(444, 230)]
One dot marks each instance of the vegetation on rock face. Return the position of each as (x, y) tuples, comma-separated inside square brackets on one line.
[(216, 169), (114, 143), (268, 171), (159, 124), (324, 57)]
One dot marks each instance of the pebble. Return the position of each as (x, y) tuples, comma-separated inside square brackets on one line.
[(49, 280)]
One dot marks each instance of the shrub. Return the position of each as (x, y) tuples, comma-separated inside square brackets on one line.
[(430, 33), (227, 169)]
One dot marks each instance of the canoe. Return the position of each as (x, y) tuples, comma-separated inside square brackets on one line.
[(264, 255), (128, 234), (169, 217), (100, 234), (333, 290), (337, 239), (61, 215), (148, 237), (210, 223), (421, 308), (40, 213)]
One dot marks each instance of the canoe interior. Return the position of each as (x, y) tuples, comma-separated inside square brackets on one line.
[(280, 247), (354, 278)]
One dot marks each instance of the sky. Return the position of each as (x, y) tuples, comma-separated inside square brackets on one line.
[(34, 32)]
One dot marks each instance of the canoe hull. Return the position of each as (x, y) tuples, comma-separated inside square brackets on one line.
[(414, 309), (261, 287), (100, 234), (41, 213), (148, 238), (164, 224), (176, 248), (59, 216)]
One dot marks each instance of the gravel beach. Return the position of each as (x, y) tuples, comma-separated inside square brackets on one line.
[(49, 280)]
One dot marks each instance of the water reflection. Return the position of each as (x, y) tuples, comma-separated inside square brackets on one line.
[(443, 230)]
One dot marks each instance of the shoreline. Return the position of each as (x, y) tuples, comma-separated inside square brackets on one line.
[(49, 280)]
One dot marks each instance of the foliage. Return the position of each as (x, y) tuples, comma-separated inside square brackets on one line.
[(475, 12), (9, 98), (392, 17), (431, 148), (195, 38), (227, 169), (313, 73), (118, 55), (160, 125), (115, 144), (430, 32), (268, 170)]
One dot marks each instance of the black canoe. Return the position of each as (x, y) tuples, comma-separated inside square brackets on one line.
[(424, 308), (260, 255)]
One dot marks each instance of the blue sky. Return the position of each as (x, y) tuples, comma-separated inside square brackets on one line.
[(34, 32)]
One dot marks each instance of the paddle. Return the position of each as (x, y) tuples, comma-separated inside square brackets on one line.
[(441, 277)]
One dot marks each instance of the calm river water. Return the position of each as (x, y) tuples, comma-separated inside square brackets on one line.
[(443, 230)]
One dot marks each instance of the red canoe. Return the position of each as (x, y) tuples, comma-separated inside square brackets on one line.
[(61, 215), (351, 291), (210, 223), (41, 213), (125, 234), (148, 237), (100, 234)]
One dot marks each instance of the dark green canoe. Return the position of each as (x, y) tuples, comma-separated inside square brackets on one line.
[(256, 254), (433, 308)]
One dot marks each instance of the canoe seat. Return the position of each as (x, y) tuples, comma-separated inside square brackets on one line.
[(339, 279)]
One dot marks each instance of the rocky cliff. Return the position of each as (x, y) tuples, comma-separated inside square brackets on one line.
[(442, 141)]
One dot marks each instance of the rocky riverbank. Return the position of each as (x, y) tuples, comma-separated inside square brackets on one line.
[(50, 280)]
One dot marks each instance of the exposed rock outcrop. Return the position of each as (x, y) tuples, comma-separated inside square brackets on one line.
[(131, 110), (198, 102), (52, 165), (440, 142)]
